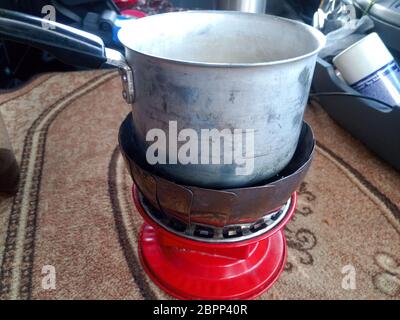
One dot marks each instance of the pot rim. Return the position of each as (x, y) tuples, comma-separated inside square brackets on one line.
[(318, 36)]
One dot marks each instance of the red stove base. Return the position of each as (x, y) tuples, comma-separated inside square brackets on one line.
[(190, 269)]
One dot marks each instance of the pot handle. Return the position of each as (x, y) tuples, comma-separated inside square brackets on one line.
[(70, 45)]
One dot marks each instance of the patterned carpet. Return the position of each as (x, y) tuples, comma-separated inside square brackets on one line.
[(73, 208)]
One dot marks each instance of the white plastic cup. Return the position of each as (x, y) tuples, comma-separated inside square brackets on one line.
[(370, 69)]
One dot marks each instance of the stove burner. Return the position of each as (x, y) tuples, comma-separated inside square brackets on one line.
[(208, 233), (197, 266)]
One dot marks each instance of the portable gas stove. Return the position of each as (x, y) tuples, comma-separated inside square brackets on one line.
[(201, 243), (198, 262)]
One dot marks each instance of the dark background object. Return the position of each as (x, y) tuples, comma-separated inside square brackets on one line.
[(294, 9), (18, 63), (63, 42), (375, 124), (386, 17), (9, 170)]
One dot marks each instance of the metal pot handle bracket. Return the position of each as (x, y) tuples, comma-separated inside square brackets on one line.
[(115, 58), (70, 45)]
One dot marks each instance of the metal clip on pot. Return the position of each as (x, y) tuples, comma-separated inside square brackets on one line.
[(115, 58), (70, 45)]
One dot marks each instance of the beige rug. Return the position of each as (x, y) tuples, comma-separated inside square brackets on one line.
[(73, 210)]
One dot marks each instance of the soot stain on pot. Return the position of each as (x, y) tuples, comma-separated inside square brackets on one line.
[(209, 102), (164, 103), (203, 31), (304, 77), (304, 80), (188, 95), (160, 76), (272, 117), (227, 169), (152, 88), (232, 97), (297, 119), (210, 118)]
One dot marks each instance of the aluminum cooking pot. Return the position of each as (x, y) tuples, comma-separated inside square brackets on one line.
[(201, 70)]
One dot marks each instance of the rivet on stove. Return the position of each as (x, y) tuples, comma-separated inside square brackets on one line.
[(204, 232), (258, 226), (276, 216)]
